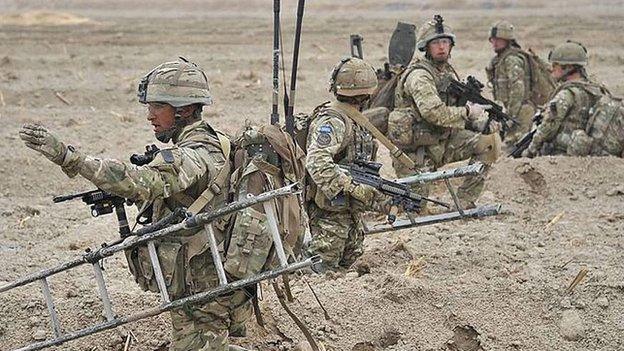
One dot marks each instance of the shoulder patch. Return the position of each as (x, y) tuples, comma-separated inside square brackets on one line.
[(323, 139)]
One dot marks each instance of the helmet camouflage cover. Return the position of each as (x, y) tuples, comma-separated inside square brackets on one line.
[(503, 30), (569, 53), (177, 83), (431, 30), (352, 77)]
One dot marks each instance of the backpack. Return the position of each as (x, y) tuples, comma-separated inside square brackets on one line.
[(265, 158), (387, 81), (542, 84), (606, 126)]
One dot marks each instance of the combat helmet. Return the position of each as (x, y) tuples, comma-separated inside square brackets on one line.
[(177, 83), (352, 77), (503, 30), (569, 53), (433, 30)]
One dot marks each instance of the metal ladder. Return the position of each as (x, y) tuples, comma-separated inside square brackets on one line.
[(195, 221)]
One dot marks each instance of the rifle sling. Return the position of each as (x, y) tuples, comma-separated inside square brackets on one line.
[(358, 118)]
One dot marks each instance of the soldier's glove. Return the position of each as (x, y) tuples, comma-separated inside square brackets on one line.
[(363, 193), (38, 138), (477, 115)]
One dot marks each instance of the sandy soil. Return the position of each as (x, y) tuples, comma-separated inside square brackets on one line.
[(492, 284)]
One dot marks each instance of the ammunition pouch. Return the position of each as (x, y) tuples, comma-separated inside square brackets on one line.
[(172, 259), (408, 131)]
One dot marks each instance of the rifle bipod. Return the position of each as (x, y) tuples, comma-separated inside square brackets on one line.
[(199, 220)]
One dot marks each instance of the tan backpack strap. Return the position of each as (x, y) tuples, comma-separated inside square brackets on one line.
[(357, 117), (213, 187)]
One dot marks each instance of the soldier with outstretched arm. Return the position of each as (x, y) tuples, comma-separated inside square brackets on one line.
[(196, 163)]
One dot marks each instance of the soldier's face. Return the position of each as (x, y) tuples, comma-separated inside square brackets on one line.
[(440, 49), (498, 44), (557, 71), (161, 116)]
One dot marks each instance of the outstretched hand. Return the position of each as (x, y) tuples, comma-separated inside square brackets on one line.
[(38, 138)]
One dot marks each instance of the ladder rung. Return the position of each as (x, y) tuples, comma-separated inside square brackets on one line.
[(56, 327)]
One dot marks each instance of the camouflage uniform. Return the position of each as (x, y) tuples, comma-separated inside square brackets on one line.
[(508, 74), (337, 233), (567, 111), (175, 178), (428, 125), (432, 131), (334, 201), (566, 116)]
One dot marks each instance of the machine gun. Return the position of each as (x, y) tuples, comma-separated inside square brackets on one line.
[(364, 172), (103, 203), (524, 143), (471, 92)]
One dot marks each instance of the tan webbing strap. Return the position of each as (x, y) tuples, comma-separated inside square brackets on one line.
[(357, 117), (213, 189), (306, 332)]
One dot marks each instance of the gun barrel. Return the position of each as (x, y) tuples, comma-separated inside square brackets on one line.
[(473, 169), (62, 198)]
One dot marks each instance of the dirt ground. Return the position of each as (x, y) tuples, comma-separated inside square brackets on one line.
[(492, 284)]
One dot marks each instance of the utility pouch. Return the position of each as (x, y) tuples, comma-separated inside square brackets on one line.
[(171, 257), (250, 244), (400, 127)]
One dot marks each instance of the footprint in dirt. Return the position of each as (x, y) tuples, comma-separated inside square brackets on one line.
[(465, 338), (532, 177)]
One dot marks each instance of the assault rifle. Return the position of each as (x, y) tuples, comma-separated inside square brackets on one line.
[(471, 92), (364, 172), (103, 203), (524, 143)]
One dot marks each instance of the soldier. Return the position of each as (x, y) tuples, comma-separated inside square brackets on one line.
[(196, 164), (335, 201), (426, 122), (509, 76), (566, 115)]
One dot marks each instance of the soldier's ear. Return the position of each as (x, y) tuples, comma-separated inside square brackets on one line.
[(187, 111)]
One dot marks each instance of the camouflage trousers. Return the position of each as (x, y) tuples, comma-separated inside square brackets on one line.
[(337, 237), (205, 327), (525, 123), (461, 145)]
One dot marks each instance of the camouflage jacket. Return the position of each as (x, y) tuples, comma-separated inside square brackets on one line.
[(568, 110), (175, 177), (509, 75), (418, 88), (334, 139)]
